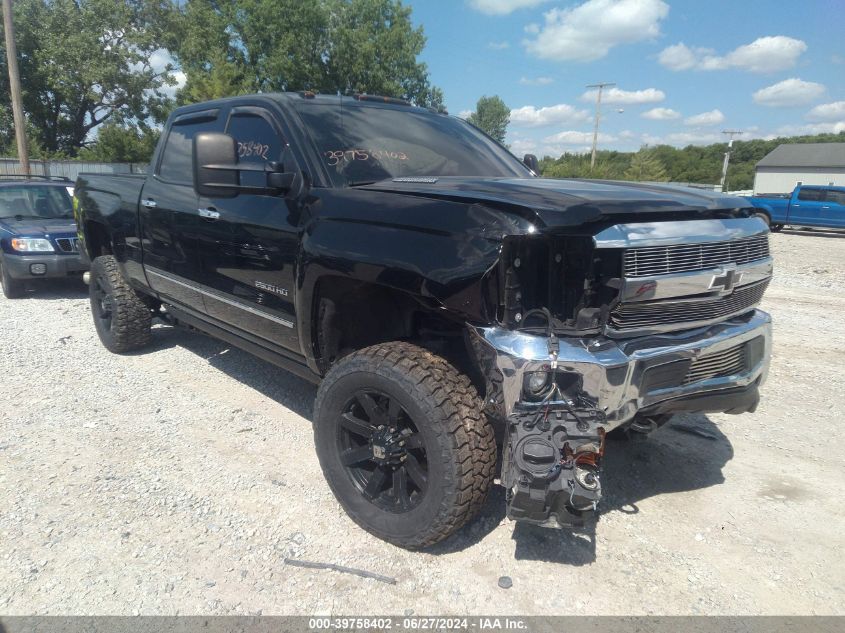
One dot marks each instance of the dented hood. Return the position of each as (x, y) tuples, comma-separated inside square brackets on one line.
[(557, 202)]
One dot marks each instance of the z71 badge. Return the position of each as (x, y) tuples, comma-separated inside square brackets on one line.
[(271, 288)]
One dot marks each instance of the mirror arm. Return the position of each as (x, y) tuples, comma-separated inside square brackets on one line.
[(237, 167)]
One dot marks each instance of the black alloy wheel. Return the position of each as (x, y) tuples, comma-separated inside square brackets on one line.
[(102, 303), (383, 451), (404, 443)]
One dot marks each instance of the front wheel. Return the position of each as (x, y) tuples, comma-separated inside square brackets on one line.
[(122, 319), (403, 443), (12, 288), (776, 228)]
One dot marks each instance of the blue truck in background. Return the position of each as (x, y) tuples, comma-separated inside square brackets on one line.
[(807, 205)]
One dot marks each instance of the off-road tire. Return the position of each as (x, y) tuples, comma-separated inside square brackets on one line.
[(128, 328), (460, 444), (12, 288)]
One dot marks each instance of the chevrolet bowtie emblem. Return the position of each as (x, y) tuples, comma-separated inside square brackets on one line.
[(726, 282)]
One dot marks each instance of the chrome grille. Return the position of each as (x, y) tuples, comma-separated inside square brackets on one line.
[(680, 258), (650, 314), (725, 363), (68, 244)]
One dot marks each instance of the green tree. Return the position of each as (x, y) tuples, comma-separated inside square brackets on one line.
[(122, 144), (491, 116), (646, 167), (85, 62), (329, 46)]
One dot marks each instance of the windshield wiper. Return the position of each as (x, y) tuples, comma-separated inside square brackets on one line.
[(19, 217), (360, 183)]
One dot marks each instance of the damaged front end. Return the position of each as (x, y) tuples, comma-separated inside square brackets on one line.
[(619, 329)]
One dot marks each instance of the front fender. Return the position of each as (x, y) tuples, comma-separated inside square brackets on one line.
[(441, 252)]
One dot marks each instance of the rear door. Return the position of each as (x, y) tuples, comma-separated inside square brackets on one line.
[(248, 244), (806, 207), (169, 220), (832, 211)]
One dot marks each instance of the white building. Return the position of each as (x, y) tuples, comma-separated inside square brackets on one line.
[(800, 164)]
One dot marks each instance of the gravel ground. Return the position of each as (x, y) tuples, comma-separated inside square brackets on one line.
[(178, 480)]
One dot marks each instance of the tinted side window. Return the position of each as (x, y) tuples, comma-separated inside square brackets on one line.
[(811, 195), (177, 158), (836, 197), (257, 143)]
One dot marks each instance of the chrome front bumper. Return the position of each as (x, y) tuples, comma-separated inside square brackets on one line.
[(620, 378)]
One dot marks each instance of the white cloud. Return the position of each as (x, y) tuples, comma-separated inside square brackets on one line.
[(763, 55), (536, 81), (661, 114), (529, 116), (614, 96), (833, 127), (523, 146), (789, 92), (532, 29), (160, 61), (588, 31), (692, 138), (498, 46), (678, 57), (502, 7), (828, 112), (714, 117), (464, 114), (574, 137)]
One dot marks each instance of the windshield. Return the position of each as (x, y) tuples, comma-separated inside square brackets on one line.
[(43, 202), (360, 144)]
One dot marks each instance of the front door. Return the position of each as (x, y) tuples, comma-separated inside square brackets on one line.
[(248, 244)]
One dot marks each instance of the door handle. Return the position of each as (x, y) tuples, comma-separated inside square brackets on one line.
[(149, 203), (209, 213)]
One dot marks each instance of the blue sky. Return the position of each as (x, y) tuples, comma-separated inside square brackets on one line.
[(684, 69)]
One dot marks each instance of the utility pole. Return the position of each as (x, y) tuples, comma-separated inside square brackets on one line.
[(731, 134), (15, 87), (600, 87)]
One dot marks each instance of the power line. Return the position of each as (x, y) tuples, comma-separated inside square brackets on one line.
[(601, 87)]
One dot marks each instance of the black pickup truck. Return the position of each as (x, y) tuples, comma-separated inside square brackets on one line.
[(453, 307)]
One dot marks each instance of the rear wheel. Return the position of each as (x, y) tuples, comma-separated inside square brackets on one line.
[(12, 288), (403, 443), (776, 228), (122, 319)]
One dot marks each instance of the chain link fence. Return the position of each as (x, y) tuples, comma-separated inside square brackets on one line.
[(69, 169)]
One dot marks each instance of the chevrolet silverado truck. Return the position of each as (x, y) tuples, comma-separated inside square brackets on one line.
[(37, 233), (807, 205), (457, 312)]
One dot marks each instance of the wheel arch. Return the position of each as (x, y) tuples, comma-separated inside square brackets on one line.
[(350, 314)]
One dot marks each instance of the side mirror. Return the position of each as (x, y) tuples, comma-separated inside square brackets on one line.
[(216, 165), (531, 162)]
